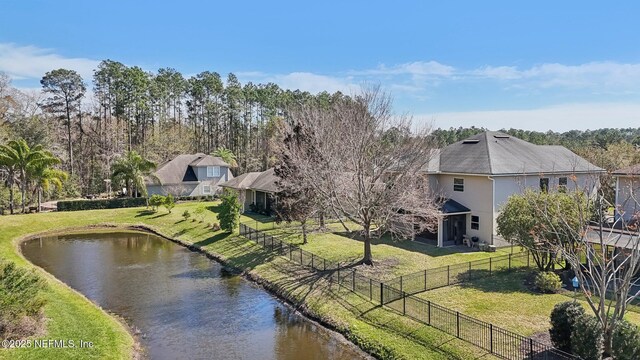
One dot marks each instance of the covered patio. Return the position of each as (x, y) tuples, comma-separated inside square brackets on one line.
[(452, 226)]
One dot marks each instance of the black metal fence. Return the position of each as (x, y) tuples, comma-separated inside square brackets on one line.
[(497, 341), (458, 273)]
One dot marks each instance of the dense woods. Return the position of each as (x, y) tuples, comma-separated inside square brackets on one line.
[(90, 123)]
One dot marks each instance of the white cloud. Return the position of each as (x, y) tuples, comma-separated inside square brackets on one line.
[(305, 81), (416, 68), (30, 62), (562, 117)]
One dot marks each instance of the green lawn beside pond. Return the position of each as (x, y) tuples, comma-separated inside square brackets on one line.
[(71, 316)]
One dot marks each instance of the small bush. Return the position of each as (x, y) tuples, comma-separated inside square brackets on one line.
[(626, 341), (586, 338), (169, 202), (547, 282), (199, 213), (20, 297), (186, 215), (563, 318), (76, 205), (215, 227), (155, 201)]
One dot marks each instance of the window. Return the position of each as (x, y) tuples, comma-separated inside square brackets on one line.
[(213, 171), (458, 184), (562, 184), (544, 184), (475, 222), (206, 189)]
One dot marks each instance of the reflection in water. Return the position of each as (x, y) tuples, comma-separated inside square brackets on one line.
[(187, 306)]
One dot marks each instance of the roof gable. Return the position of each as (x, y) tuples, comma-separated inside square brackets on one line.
[(179, 169)]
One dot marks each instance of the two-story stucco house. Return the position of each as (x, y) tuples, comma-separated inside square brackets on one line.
[(477, 175), (189, 175), (628, 193)]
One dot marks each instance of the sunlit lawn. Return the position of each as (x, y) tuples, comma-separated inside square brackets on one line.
[(506, 301), (71, 316), (392, 258)]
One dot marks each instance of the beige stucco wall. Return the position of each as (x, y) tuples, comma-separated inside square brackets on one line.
[(628, 196), (485, 195), (477, 196)]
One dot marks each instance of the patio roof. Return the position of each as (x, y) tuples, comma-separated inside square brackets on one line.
[(453, 207)]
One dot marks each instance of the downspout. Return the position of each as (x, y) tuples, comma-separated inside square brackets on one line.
[(615, 205), (493, 207)]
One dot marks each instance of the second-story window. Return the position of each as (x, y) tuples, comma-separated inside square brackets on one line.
[(213, 171), (458, 184)]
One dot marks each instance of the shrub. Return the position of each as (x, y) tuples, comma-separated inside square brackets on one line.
[(586, 338), (215, 227), (155, 201), (229, 215), (75, 205), (20, 297), (199, 212), (547, 282), (626, 341), (169, 202), (563, 318), (186, 215)]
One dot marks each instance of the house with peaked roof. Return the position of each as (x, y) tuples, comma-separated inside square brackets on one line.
[(189, 175), (256, 190), (477, 175), (628, 193)]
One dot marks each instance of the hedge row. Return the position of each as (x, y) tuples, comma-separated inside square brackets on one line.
[(75, 205)]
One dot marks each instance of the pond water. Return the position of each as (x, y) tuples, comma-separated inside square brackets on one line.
[(185, 305)]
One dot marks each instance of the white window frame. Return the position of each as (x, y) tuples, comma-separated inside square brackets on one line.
[(204, 189), (460, 186), (213, 171)]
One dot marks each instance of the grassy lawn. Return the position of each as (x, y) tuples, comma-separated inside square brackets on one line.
[(393, 258), (379, 330), (505, 301)]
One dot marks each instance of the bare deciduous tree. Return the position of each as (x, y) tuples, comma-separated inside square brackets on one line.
[(364, 163)]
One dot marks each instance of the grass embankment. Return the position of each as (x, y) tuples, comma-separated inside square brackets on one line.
[(506, 301), (71, 316), (393, 258)]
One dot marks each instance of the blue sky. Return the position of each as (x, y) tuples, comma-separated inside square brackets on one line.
[(538, 65)]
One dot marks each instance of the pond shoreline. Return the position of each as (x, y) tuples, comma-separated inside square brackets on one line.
[(273, 289)]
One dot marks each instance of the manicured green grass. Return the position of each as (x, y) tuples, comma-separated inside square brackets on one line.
[(505, 301), (71, 316), (392, 257)]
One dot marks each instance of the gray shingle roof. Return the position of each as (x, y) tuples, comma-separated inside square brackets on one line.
[(261, 181), (631, 170), (496, 153), (174, 171)]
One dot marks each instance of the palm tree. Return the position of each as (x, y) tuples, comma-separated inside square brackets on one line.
[(7, 161), (227, 156), (44, 176), (132, 169), (21, 159)]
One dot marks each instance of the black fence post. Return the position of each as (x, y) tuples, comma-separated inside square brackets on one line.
[(491, 338), (404, 303), (312, 256), (429, 312), (401, 290), (528, 259), (290, 252), (381, 294), (338, 273), (458, 324), (425, 280), (530, 348), (300, 256), (448, 272), (324, 264), (370, 289)]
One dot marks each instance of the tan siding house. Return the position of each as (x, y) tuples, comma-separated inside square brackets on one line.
[(628, 193), (480, 173)]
